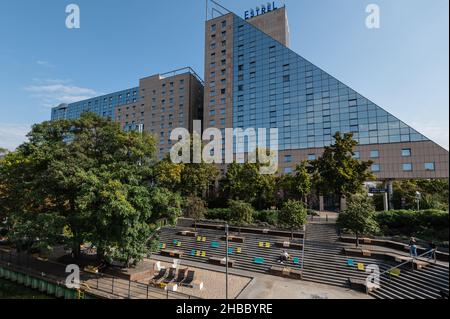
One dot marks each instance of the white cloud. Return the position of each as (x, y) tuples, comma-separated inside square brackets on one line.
[(51, 81), (52, 92), (12, 135), (45, 63)]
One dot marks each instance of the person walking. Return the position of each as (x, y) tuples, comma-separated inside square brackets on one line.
[(413, 247)]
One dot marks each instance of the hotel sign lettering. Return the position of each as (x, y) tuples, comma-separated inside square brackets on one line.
[(260, 10)]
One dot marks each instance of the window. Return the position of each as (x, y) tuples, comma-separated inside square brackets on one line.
[(213, 28), (406, 152), (374, 154), (357, 155), (375, 168), (311, 157), (288, 170), (407, 167), (288, 158), (430, 166), (224, 24)]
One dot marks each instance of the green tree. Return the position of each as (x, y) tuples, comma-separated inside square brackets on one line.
[(337, 172), (358, 217), (241, 212), (292, 215), (245, 182), (435, 194), (195, 208), (168, 174), (297, 185), (3, 151), (197, 178), (91, 175)]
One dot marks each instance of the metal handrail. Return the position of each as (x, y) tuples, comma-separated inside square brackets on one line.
[(407, 262), (303, 249), (14, 259)]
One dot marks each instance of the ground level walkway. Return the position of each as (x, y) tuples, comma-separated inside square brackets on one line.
[(264, 286)]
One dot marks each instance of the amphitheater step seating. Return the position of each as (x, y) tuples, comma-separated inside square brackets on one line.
[(324, 260), (325, 263), (249, 255)]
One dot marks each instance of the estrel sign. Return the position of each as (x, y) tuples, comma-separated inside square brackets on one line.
[(260, 10)]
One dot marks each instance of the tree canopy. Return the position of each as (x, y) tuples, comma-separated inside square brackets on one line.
[(358, 217), (292, 215), (337, 172), (245, 182), (89, 177)]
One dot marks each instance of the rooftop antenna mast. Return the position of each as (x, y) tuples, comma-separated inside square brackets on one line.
[(215, 8)]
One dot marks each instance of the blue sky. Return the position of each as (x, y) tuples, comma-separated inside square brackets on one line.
[(403, 66)]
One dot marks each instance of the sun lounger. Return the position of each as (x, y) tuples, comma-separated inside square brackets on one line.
[(187, 282), (361, 267), (159, 277), (258, 260), (350, 263), (296, 260), (170, 276), (181, 275)]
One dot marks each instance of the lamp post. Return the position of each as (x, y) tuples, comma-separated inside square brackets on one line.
[(226, 261), (418, 198)]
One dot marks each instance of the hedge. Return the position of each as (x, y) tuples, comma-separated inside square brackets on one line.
[(425, 224)]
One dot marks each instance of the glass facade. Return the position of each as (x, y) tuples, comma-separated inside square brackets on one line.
[(102, 105), (274, 87)]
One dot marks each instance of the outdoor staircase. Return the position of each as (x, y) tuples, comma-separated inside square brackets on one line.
[(325, 263), (243, 261)]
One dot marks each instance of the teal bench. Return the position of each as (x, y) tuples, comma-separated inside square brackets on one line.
[(296, 260), (215, 244)]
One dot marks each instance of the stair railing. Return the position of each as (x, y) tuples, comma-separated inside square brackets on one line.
[(412, 260), (303, 249)]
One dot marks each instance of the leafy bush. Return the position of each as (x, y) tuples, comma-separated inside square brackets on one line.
[(293, 214), (428, 224), (241, 212), (194, 207), (358, 217), (218, 214), (269, 217)]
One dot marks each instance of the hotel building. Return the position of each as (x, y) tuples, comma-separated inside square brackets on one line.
[(254, 80), (160, 103)]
